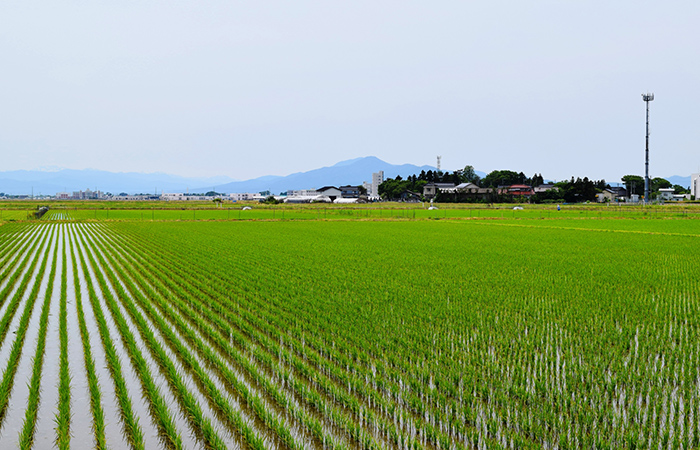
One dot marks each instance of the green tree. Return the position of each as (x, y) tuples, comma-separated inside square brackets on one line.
[(659, 183), (468, 175), (502, 178), (634, 184), (678, 189)]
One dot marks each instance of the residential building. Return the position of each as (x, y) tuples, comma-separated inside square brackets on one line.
[(349, 191), (377, 179), (247, 196), (430, 190), (695, 185), (666, 194), (368, 188), (521, 190), (302, 193), (613, 194), (544, 188)]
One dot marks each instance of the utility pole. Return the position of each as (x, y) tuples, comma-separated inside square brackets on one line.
[(647, 98)]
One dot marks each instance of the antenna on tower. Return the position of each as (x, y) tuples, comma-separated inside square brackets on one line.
[(438, 164)]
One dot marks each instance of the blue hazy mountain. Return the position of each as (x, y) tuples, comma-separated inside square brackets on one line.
[(67, 180), (352, 172)]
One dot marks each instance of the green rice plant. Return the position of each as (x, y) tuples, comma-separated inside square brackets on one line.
[(160, 409), (513, 332), (63, 416), (132, 429), (547, 325), (8, 375), (15, 270), (333, 392), (217, 399), (223, 370), (98, 423), (26, 436)]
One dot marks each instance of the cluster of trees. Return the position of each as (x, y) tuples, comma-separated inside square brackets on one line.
[(412, 187), (569, 191), (508, 178)]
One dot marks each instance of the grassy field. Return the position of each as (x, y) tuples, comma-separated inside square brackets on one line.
[(386, 328)]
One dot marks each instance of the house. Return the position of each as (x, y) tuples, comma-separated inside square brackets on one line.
[(468, 192), (350, 191), (520, 190), (666, 194), (246, 196), (302, 193), (431, 190), (612, 194), (544, 188)]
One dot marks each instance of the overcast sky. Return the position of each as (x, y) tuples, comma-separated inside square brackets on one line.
[(250, 88)]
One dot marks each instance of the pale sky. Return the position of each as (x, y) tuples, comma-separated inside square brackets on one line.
[(251, 88)]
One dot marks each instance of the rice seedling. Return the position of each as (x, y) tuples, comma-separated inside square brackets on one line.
[(26, 437), (8, 375), (63, 416), (98, 419)]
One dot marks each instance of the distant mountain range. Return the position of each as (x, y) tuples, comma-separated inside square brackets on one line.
[(353, 171), (19, 182), (681, 181)]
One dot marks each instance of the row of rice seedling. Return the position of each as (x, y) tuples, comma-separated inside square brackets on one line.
[(522, 357), (328, 387), (26, 437), (516, 336), (15, 350), (381, 211), (130, 423), (95, 392), (63, 415), (223, 341), (252, 400), (160, 410), (213, 394)]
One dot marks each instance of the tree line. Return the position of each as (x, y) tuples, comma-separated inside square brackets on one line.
[(574, 190)]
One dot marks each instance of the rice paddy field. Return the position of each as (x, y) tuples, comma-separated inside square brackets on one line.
[(339, 328)]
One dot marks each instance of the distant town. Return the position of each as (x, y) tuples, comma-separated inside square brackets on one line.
[(460, 186)]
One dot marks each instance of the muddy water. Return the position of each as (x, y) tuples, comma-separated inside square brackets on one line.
[(14, 418), (138, 401), (179, 417), (113, 427), (81, 415)]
